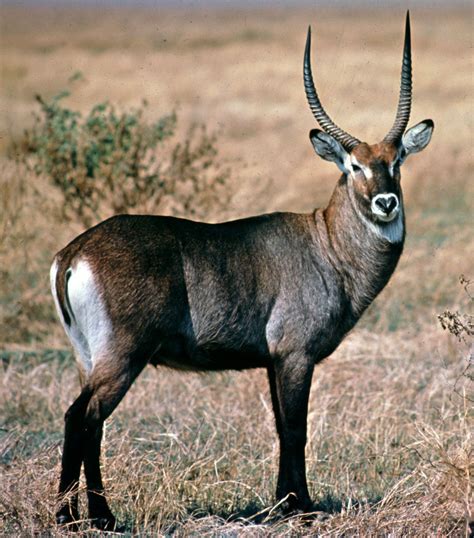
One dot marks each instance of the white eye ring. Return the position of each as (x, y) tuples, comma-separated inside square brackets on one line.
[(356, 168)]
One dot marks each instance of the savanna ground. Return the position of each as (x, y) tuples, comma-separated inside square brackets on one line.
[(390, 424)]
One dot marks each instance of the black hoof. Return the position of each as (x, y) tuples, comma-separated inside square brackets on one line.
[(312, 515), (67, 520), (106, 523), (293, 506)]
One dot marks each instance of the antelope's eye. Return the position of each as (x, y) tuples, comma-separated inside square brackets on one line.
[(356, 168)]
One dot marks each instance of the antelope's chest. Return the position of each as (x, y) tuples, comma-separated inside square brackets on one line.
[(313, 321)]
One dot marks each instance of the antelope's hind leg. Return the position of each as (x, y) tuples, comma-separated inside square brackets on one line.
[(73, 455), (107, 384)]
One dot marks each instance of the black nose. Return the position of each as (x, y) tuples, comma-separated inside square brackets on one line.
[(387, 205)]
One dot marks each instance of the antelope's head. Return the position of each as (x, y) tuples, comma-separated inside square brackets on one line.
[(372, 170)]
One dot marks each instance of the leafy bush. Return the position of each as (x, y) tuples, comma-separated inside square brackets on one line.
[(112, 162)]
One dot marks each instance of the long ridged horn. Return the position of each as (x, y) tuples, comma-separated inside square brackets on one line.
[(347, 141), (404, 101)]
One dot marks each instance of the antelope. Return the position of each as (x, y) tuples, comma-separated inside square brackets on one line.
[(276, 291)]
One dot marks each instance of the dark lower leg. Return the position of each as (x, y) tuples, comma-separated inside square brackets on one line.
[(99, 510), (109, 388), (292, 472), (292, 382), (107, 385), (69, 481), (73, 454)]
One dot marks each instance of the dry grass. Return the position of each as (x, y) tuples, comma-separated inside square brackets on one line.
[(390, 426)]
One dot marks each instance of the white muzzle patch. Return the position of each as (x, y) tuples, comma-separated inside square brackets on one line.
[(385, 206)]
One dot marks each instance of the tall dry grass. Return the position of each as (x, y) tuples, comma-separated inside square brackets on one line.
[(390, 425)]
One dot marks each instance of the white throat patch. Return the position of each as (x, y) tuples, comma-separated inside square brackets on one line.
[(391, 231)]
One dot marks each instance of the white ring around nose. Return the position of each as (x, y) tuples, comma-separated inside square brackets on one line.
[(381, 214)]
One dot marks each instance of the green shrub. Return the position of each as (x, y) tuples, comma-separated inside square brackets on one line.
[(112, 162)]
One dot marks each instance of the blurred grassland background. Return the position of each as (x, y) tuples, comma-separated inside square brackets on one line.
[(390, 442)]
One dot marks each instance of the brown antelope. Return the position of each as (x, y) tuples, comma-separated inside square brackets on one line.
[(277, 291)]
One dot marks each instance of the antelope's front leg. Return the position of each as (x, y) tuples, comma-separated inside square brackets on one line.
[(290, 382)]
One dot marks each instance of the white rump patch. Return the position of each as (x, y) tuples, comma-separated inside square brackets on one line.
[(52, 279), (90, 331)]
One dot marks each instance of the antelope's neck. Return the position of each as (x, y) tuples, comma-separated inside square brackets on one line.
[(364, 253)]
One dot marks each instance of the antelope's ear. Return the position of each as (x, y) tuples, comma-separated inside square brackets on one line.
[(417, 137), (329, 149)]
